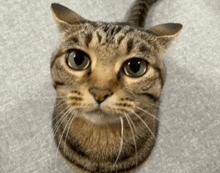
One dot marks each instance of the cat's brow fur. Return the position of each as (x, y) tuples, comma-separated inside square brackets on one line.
[(92, 141)]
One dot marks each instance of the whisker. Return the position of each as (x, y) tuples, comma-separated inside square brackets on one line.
[(145, 111), (135, 144), (145, 124), (121, 143), (36, 135), (158, 120), (36, 155), (55, 97), (64, 111), (148, 113), (59, 122), (67, 114), (68, 130), (61, 102), (132, 122), (152, 104)]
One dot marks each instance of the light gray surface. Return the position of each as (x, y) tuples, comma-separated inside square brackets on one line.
[(190, 103)]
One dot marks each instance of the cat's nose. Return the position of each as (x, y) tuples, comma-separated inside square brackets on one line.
[(100, 94)]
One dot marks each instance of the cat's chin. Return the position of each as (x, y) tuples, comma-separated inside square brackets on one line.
[(100, 117)]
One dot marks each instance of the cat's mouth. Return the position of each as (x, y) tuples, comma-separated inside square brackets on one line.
[(98, 116), (99, 112)]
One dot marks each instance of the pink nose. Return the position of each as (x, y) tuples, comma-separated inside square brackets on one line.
[(100, 94)]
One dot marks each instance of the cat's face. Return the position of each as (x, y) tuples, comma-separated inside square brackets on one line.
[(108, 79), (103, 71)]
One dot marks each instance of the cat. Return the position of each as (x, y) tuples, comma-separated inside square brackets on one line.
[(108, 78)]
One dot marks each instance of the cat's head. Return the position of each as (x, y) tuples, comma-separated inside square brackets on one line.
[(105, 70)]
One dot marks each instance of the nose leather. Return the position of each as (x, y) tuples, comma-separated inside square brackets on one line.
[(100, 94)]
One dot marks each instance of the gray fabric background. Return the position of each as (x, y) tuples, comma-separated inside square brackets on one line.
[(190, 103)]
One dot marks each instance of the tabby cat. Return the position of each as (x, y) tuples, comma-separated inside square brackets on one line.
[(108, 78)]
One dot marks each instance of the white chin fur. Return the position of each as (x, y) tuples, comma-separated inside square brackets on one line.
[(99, 117)]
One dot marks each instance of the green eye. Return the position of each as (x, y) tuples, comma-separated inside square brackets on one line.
[(135, 67), (78, 60)]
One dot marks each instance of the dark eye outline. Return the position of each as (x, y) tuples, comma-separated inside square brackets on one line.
[(79, 51), (129, 60)]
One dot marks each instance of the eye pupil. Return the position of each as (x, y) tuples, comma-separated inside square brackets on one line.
[(134, 66), (79, 60)]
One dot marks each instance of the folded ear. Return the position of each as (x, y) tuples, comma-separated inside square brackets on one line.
[(65, 17), (165, 33)]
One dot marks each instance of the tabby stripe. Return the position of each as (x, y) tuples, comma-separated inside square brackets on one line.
[(138, 12), (114, 30), (55, 55), (61, 146), (111, 32), (143, 48), (119, 40), (99, 37), (55, 84), (74, 145), (117, 29), (76, 148), (130, 45), (71, 160), (74, 39), (154, 98), (88, 39), (140, 144), (162, 79), (97, 169)]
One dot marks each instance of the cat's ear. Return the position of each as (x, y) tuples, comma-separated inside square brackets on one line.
[(65, 17), (165, 33)]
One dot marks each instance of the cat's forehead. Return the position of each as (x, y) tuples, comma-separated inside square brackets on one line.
[(109, 42)]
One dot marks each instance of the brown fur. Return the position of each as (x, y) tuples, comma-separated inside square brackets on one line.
[(89, 135)]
